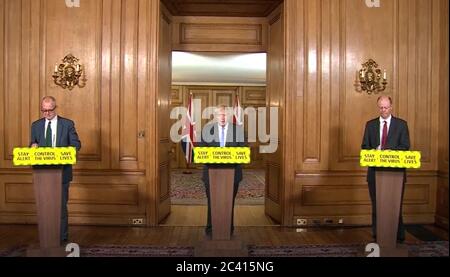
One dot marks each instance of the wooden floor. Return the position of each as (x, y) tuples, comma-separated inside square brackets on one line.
[(185, 227), (189, 215), (20, 235), (195, 215)]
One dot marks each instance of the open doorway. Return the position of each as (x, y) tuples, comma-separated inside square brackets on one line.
[(213, 34), (215, 78)]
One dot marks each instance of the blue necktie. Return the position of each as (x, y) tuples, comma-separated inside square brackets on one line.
[(222, 137)]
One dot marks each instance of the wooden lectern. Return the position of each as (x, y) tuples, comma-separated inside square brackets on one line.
[(47, 165), (389, 186), (221, 193), (47, 182), (221, 187), (221, 181), (389, 189)]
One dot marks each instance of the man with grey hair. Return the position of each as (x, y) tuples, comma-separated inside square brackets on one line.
[(55, 131), (221, 133), (385, 132)]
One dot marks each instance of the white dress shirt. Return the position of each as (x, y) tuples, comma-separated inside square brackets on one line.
[(224, 133)]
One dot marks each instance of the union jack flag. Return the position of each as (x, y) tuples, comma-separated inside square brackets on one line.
[(237, 111), (188, 134)]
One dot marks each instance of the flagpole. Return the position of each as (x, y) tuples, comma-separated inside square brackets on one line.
[(187, 170)]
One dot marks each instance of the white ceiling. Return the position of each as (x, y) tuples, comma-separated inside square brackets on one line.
[(209, 68)]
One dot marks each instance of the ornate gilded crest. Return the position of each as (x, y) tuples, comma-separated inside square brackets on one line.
[(69, 73), (370, 79)]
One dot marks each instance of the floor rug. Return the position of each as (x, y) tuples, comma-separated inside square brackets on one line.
[(188, 189), (116, 251), (136, 251), (419, 249)]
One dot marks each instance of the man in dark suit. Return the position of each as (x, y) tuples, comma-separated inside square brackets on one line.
[(55, 131), (386, 133), (221, 134)]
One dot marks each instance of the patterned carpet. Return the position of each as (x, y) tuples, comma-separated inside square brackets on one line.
[(421, 249), (188, 189)]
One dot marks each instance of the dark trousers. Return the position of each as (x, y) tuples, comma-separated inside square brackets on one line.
[(208, 228), (64, 213), (373, 199)]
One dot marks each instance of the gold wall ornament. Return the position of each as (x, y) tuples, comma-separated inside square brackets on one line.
[(69, 73), (369, 78)]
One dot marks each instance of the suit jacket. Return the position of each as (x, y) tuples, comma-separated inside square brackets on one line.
[(235, 138), (397, 139), (66, 135)]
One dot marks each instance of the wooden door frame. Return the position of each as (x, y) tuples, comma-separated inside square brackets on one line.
[(291, 55), (152, 140), (288, 113)]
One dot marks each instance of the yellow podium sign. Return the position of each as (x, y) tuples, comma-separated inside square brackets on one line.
[(221, 155), (390, 158), (44, 156)]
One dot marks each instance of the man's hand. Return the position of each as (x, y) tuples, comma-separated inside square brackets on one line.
[(34, 145)]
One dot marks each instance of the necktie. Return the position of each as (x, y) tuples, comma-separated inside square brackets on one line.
[(48, 135), (222, 137), (384, 135)]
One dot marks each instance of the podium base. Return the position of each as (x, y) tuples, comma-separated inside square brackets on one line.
[(399, 251), (47, 252), (221, 248)]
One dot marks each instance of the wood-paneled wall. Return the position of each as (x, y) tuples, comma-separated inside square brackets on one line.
[(109, 38), (229, 34), (336, 37), (443, 193), (314, 48)]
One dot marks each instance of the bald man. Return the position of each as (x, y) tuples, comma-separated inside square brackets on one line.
[(383, 133), (55, 131)]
